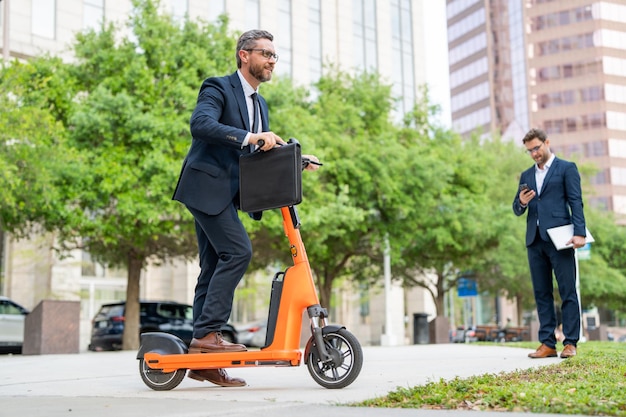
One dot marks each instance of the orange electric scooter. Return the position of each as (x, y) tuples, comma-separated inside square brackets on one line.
[(333, 355)]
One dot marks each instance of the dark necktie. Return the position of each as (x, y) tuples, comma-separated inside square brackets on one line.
[(255, 111)]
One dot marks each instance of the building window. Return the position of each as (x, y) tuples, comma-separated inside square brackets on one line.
[(93, 14), (518, 62), (315, 40), (601, 177), (364, 32), (600, 203), (473, 121), (615, 93), (596, 148), (283, 38), (251, 16), (614, 66), (455, 7), (570, 124), (562, 18), (618, 176), (43, 18), (216, 9), (468, 48), (178, 9), (466, 25), (470, 96), (579, 69), (585, 122), (566, 44), (617, 148), (619, 204), (593, 121), (610, 39), (479, 68), (610, 11), (402, 53), (616, 120)]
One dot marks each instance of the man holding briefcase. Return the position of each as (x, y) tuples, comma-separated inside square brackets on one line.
[(230, 119)]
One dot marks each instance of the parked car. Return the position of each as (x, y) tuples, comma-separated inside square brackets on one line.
[(12, 317), (461, 335), (155, 316), (252, 334)]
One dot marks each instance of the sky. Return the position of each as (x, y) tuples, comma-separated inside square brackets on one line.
[(436, 36)]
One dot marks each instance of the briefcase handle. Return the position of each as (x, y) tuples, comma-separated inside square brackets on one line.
[(305, 161)]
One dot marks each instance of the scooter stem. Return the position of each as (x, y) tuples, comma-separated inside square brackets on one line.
[(291, 224)]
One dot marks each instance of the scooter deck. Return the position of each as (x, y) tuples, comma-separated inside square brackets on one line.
[(172, 362)]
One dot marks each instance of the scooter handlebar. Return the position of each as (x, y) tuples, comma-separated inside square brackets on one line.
[(305, 161)]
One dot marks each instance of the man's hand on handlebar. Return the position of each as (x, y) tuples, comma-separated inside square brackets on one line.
[(266, 140), (310, 162)]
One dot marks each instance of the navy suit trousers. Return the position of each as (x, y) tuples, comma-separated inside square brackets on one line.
[(225, 252), (543, 258)]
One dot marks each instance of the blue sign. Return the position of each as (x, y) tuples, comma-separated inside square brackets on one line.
[(467, 287)]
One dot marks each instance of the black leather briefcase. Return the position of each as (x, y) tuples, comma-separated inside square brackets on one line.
[(272, 179)]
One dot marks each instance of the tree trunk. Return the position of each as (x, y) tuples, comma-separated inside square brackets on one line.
[(131, 320), (325, 287), (520, 309), (440, 297)]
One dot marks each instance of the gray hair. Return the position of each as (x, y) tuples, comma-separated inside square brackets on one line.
[(535, 134), (248, 40)]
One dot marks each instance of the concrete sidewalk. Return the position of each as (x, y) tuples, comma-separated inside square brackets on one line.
[(98, 384)]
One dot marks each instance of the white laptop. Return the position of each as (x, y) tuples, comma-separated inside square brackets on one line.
[(562, 234)]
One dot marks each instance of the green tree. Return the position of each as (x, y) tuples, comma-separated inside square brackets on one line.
[(34, 154), (450, 225), (132, 119), (603, 276), (503, 270)]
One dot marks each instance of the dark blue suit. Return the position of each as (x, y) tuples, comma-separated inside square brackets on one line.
[(209, 186), (559, 203)]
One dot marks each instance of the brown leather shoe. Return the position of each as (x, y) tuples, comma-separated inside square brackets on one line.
[(568, 351), (217, 377), (212, 343), (543, 351)]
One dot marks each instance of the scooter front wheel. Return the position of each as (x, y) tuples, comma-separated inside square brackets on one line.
[(158, 380), (345, 364)]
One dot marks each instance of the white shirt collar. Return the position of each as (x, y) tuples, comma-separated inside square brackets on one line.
[(247, 88)]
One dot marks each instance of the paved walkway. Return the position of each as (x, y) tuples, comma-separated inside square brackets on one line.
[(98, 384)]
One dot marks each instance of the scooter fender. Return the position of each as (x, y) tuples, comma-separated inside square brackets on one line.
[(325, 330), (161, 343)]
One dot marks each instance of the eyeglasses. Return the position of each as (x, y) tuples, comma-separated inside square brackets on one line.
[(266, 54), (533, 150)]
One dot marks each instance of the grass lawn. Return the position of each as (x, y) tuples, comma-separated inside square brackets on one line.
[(591, 383)]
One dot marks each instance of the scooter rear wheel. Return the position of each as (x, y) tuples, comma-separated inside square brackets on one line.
[(345, 366), (158, 380)]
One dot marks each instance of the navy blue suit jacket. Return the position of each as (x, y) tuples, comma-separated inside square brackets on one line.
[(559, 203), (209, 179)]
